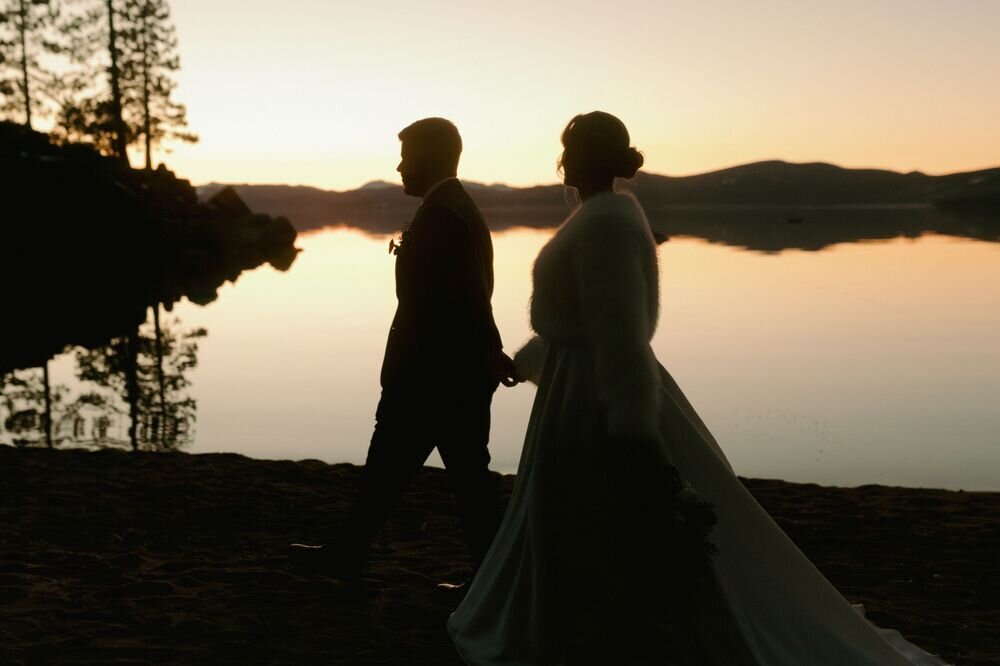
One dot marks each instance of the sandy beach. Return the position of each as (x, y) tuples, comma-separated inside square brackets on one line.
[(119, 558)]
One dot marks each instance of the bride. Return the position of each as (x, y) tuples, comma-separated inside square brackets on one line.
[(570, 578)]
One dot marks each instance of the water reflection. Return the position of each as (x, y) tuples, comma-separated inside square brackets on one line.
[(132, 393), (863, 363), (147, 380), (773, 230), (759, 207), (759, 228), (103, 245), (870, 362), (104, 242), (26, 401)]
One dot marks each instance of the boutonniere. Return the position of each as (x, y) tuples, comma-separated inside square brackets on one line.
[(404, 239)]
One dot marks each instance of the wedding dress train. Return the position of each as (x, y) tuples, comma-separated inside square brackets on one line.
[(563, 569)]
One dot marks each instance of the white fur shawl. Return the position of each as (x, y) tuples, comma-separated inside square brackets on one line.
[(596, 281)]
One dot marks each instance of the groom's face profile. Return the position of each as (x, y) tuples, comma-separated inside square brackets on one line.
[(414, 167), (429, 151)]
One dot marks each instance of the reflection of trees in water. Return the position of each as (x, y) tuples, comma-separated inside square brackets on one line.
[(102, 242), (27, 403), (116, 240), (134, 394), (146, 373)]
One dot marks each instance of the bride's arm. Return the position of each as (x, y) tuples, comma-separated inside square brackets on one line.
[(529, 358), (614, 297)]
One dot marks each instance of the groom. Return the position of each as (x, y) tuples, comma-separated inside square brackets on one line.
[(443, 359)]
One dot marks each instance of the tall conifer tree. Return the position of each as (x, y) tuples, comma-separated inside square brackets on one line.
[(25, 38), (126, 57)]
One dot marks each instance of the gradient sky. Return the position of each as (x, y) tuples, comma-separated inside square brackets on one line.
[(310, 92)]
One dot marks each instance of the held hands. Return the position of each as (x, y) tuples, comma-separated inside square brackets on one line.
[(502, 367)]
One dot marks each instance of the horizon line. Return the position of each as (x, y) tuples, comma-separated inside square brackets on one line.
[(552, 184)]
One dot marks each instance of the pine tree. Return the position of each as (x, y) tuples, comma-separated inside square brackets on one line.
[(152, 51), (126, 56), (92, 106), (25, 38)]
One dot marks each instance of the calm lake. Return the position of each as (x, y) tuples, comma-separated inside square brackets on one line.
[(862, 362)]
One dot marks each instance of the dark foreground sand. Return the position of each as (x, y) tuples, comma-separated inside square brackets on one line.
[(115, 558)]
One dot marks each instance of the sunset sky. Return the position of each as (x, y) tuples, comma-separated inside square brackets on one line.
[(309, 92)]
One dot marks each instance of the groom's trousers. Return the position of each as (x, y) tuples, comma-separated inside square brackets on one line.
[(409, 424)]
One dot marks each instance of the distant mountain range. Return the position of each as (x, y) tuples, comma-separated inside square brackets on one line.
[(381, 207)]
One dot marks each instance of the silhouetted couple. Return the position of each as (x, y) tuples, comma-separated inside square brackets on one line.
[(603, 555)]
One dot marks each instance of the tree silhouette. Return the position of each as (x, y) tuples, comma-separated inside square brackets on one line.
[(153, 60), (92, 108), (106, 411), (27, 402), (121, 91), (148, 372), (25, 36), (168, 355)]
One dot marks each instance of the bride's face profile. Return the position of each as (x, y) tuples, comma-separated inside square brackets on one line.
[(569, 164)]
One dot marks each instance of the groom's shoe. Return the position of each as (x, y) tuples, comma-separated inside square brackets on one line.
[(325, 560)]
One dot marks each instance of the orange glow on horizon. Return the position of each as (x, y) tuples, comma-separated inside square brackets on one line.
[(313, 93)]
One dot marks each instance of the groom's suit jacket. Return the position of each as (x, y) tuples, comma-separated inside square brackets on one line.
[(443, 331)]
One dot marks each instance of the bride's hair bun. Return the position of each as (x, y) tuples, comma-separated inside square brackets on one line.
[(600, 147), (631, 161)]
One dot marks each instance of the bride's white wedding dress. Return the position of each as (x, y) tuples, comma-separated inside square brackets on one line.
[(563, 569)]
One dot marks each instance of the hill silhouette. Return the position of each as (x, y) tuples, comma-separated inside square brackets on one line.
[(382, 208)]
